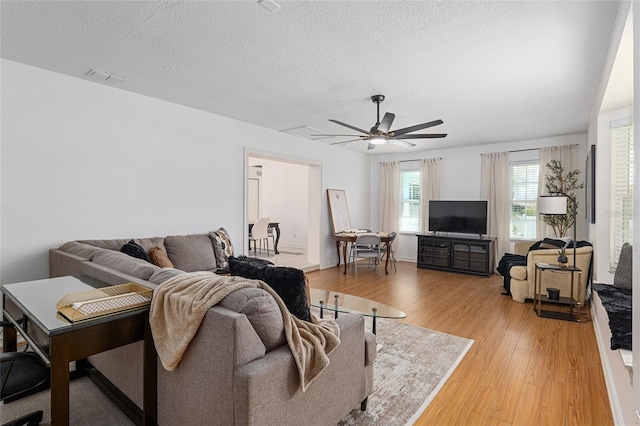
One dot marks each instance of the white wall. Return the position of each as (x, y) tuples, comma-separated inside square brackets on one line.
[(285, 197), (624, 411), (461, 176), (82, 160)]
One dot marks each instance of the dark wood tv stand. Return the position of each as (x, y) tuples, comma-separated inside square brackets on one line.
[(468, 255)]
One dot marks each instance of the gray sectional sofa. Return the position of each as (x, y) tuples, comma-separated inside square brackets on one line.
[(238, 369)]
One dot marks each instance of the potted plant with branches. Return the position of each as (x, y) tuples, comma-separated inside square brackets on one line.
[(562, 257), (560, 181)]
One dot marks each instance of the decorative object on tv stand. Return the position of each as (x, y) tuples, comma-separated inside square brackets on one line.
[(561, 183), (559, 205)]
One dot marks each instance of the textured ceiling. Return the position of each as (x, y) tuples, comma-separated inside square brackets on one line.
[(492, 71)]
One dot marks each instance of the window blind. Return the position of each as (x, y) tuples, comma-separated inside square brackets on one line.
[(621, 186), (523, 196), (410, 216)]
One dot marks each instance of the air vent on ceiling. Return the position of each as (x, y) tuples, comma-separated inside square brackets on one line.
[(104, 76), (269, 4), (305, 132)]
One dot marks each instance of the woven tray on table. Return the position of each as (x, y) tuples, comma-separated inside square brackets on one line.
[(91, 304)]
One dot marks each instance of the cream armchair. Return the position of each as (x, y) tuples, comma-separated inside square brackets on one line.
[(522, 276)]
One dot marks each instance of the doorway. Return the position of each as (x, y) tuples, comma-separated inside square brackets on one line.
[(289, 192)]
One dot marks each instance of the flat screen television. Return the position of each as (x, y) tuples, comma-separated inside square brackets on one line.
[(464, 217)]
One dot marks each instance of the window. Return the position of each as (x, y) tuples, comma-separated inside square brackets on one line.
[(410, 216), (621, 186), (523, 196)]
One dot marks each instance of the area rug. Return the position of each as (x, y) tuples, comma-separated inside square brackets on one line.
[(412, 366), (87, 406), (413, 363)]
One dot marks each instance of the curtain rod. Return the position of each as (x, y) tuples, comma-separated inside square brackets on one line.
[(536, 149), (407, 161), (523, 150)]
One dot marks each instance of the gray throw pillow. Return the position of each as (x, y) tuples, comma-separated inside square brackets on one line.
[(191, 253), (263, 313), (622, 277)]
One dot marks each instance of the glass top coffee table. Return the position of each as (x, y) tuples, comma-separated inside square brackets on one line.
[(347, 303)]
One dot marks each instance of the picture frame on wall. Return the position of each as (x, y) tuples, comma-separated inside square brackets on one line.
[(590, 185)]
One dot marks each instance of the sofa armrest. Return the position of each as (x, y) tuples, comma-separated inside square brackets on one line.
[(522, 247), (62, 263), (267, 390)]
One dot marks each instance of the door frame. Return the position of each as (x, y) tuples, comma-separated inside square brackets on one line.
[(314, 195)]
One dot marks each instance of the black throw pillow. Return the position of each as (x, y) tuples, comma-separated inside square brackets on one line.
[(288, 283), (135, 250)]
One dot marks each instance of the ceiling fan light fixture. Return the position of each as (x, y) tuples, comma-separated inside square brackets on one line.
[(378, 140)]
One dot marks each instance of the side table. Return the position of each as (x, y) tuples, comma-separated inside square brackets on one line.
[(31, 308), (540, 298)]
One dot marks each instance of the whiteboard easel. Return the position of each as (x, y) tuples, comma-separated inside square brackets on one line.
[(338, 210)]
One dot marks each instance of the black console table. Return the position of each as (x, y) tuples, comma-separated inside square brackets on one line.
[(468, 255)]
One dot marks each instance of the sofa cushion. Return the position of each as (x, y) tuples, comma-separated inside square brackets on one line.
[(79, 249), (135, 250), (289, 283), (164, 274), (263, 313), (149, 243), (191, 253), (125, 263), (106, 244), (116, 244), (222, 247), (159, 258), (622, 276)]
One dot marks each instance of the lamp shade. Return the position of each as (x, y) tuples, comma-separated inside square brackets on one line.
[(552, 204)]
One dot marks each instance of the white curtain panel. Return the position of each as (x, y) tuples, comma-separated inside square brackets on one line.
[(567, 155), (429, 188), (389, 196), (494, 187)]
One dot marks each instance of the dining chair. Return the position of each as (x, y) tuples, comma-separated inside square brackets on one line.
[(367, 245), (259, 232), (270, 232), (392, 253)]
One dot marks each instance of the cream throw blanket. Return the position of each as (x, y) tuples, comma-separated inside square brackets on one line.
[(180, 303)]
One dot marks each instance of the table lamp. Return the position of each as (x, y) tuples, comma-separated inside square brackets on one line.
[(557, 204)]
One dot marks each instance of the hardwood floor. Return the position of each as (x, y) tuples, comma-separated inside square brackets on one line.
[(521, 369)]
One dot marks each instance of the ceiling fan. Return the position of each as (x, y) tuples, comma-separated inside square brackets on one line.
[(380, 133)]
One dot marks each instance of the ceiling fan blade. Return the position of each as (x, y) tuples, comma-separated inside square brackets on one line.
[(424, 136), (400, 142), (385, 124), (349, 126), (325, 136), (345, 142), (416, 127), (371, 146)]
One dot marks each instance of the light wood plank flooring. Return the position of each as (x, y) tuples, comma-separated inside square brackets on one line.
[(521, 369)]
